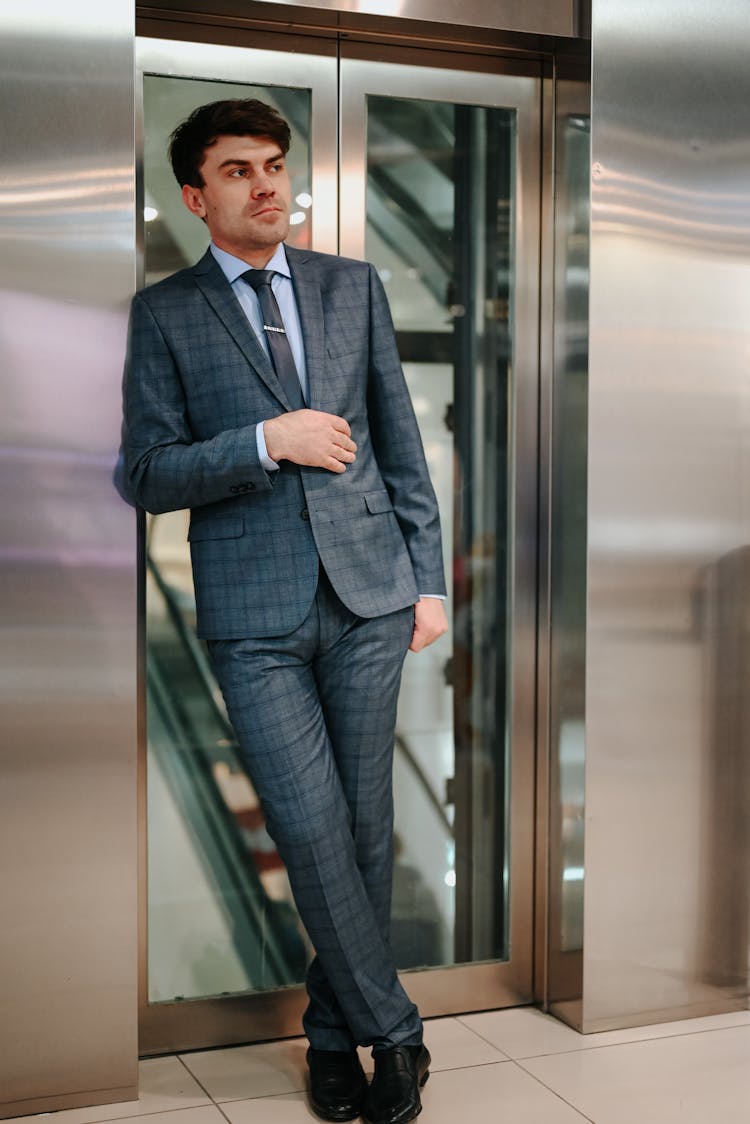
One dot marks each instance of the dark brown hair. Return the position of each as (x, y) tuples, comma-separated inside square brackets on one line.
[(236, 117)]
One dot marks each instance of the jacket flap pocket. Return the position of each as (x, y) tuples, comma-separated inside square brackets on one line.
[(377, 502), (228, 528)]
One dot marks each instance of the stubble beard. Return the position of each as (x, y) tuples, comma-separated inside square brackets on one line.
[(277, 232)]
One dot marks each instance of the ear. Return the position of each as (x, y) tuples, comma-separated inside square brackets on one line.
[(192, 197)]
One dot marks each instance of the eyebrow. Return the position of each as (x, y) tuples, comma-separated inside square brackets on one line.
[(244, 163)]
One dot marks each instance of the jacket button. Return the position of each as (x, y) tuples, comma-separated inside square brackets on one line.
[(305, 514), (234, 489)]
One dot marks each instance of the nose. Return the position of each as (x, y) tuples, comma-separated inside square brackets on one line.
[(262, 186)]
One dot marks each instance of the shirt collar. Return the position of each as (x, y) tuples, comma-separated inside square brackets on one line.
[(233, 267)]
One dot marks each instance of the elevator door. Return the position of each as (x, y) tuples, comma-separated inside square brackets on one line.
[(434, 176)]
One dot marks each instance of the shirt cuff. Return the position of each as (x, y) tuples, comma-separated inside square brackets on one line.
[(437, 596), (263, 457)]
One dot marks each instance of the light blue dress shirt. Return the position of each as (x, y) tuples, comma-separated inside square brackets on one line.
[(283, 290)]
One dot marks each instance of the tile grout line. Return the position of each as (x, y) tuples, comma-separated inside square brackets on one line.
[(611, 1045), (200, 1085), (554, 1092), (233, 1100), (483, 1039), (632, 1042), (501, 1060)]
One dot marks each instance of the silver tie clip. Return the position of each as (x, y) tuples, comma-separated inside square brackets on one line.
[(270, 328)]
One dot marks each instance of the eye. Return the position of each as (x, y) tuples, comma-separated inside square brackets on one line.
[(238, 172)]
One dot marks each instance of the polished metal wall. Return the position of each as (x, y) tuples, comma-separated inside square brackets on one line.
[(547, 17), (521, 24), (668, 513), (68, 1033)]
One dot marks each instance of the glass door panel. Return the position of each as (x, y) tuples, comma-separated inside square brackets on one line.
[(213, 873), (443, 171), (221, 918)]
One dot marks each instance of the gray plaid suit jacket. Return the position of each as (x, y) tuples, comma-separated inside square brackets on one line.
[(196, 383)]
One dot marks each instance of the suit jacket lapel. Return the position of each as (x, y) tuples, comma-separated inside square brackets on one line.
[(310, 308), (218, 292)]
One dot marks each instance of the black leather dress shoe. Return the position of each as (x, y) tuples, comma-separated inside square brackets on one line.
[(337, 1083), (393, 1096)]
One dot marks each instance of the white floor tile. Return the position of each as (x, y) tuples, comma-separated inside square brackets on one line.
[(290, 1108), (526, 1033), (242, 1072), (205, 1115), (690, 1079), (490, 1094), (164, 1085), (454, 1046)]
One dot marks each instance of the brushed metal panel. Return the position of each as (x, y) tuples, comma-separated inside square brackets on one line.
[(668, 503), (67, 562), (542, 17)]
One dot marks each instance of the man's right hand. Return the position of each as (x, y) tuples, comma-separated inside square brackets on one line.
[(312, 438)]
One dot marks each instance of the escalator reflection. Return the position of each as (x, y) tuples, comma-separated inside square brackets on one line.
[(250, 925), (221, 914)]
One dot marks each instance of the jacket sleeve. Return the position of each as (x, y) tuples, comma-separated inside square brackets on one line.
[(164, 468), (398, 448)]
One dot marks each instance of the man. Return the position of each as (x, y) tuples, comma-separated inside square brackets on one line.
[(263, 390)]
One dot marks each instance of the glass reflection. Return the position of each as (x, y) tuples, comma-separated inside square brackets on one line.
[(439, 229)]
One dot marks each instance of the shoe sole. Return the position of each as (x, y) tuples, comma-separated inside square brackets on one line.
[(405, 1119), (324, 1115)]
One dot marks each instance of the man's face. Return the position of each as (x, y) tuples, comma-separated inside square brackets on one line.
[(245, 198)]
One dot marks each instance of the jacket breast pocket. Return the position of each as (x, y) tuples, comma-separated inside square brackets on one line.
[(206, 529), (337, 352)]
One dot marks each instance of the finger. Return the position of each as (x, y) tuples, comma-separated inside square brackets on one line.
[(343, 455), (345, 443), (341, 425), (334, 465)]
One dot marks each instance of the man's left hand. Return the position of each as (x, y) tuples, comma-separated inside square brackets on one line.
[(430, 622)]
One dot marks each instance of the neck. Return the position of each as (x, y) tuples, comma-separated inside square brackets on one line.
[(258, 257)]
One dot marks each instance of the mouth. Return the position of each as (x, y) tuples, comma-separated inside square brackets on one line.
[(267, 211)]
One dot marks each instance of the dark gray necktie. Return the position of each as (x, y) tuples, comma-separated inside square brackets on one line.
[(278, 344)]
